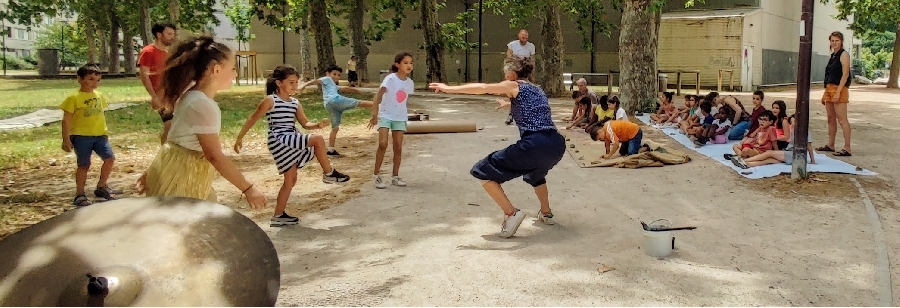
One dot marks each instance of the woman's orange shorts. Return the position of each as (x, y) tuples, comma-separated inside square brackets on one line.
[(831, 91)]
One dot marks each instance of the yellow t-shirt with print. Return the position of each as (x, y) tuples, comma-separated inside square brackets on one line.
[(609, 113), (87, 113)]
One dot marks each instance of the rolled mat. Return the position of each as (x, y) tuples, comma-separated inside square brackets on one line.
[(427, 127)]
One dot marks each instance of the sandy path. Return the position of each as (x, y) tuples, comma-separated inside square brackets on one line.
[(425, 245)]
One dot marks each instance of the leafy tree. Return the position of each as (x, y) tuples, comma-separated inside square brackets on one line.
[(240, 14), (69, 40), (880, 41), (873, 16)]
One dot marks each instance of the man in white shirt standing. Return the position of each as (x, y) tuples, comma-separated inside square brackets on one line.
[(522, 48)]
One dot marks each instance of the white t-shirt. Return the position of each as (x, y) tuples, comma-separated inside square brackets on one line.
[(523, 51), (721, 124), (621, 114), (195, 114), (393, 103)]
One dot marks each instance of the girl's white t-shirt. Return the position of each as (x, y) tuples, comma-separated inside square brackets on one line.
[(621, 114), (195, 114), (393, 105)]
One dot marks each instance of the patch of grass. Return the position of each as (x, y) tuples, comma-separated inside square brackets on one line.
[(18, 97), (139, 127)]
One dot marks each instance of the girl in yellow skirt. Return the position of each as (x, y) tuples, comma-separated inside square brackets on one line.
[(187, 163)]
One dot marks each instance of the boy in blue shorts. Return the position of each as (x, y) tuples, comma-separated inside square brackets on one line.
[(335, 103), (84, 130)]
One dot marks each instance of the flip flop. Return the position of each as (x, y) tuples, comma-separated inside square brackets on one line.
[(842, 153), (824, 148)]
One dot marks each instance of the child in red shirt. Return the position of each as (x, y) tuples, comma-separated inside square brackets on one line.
[(763, 138)]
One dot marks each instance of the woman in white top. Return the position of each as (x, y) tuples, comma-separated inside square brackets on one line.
[(187, 163)]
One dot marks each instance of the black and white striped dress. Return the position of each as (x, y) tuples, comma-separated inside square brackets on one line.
[(288, 146)]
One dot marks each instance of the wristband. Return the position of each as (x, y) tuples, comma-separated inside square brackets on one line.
[(248, 188)]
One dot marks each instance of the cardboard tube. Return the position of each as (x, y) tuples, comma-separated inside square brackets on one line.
[(426, 127)]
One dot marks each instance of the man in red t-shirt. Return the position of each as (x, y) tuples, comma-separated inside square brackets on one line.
[(152, 62)]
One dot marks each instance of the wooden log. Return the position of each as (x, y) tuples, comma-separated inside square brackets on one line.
[(428, 127)]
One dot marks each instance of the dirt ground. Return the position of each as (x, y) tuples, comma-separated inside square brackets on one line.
[(769, 242)]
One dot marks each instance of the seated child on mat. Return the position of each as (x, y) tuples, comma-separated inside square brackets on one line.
[(763, 139), (717, 132), (705, 119), (582, 108), (775, 156)]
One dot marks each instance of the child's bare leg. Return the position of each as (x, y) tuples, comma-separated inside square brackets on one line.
[(290, 179), (711, 131), (365, 104), (767, 155), (654, 117), (382, 147), (332, 137), (318, 145), (398, 150), (165, 133), (105, 170), (81, 178), (496, 192), (768, 161), (543, 196), (736, 148)]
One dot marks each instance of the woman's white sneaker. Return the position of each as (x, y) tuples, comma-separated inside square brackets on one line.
[(397, 181), (379, 183), (511, 224)]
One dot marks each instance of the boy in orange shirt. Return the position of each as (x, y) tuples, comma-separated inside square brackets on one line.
[(622, 136)]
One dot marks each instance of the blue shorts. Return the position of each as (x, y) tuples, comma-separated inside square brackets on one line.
[(392, 125), (531, 157), (336, 107), (84, 145), (631, 147)]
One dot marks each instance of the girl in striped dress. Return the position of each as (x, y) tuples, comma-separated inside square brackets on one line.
[(290, 148)]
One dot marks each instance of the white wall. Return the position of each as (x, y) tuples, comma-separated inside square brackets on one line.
[(781, 25)]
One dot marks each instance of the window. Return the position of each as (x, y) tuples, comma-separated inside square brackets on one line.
[(21, 34), (26, 53)]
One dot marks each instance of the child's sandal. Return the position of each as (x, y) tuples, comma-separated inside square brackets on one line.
[(105, 193), (81, 201)]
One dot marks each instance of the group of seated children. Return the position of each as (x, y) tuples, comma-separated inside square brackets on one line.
[(586, 113), (765, 135)]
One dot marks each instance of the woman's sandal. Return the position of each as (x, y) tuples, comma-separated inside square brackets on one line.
[(81, 201), (842, 152), (824, 148)]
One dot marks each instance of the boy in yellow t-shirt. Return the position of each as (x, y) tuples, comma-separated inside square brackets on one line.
[(84, 130)]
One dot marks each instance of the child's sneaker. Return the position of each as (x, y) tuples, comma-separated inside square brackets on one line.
[(333, 152), (105, 193), (511, 224), (397, 181), (283, 220), (547, 218), (727, 156), (335, 177), (379, 183)]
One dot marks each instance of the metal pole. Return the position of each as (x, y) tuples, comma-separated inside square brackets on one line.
[(480, 43), (3, 21), (801, 120)]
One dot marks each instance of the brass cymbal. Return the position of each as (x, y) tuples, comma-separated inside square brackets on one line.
[(141, 252)]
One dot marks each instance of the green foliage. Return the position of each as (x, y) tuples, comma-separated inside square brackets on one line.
[(240, 14), (13, 63), (880, 41), (873, 62), (70, 42), (454, 33), (869, 15)]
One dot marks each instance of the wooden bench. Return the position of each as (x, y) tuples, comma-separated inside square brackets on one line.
[(730, 77), (678, 79)]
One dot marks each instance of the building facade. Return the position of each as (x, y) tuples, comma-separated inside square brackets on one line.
[(757, 39)]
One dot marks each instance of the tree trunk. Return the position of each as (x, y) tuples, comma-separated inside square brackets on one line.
[(91, 38), (104, 49), (174, 12), (434, 47), (637, 55), (128, 48), (144, 11), (552, 51), (114, 28), (321, 29), (307, 72), (895, 62), (358, 40)]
